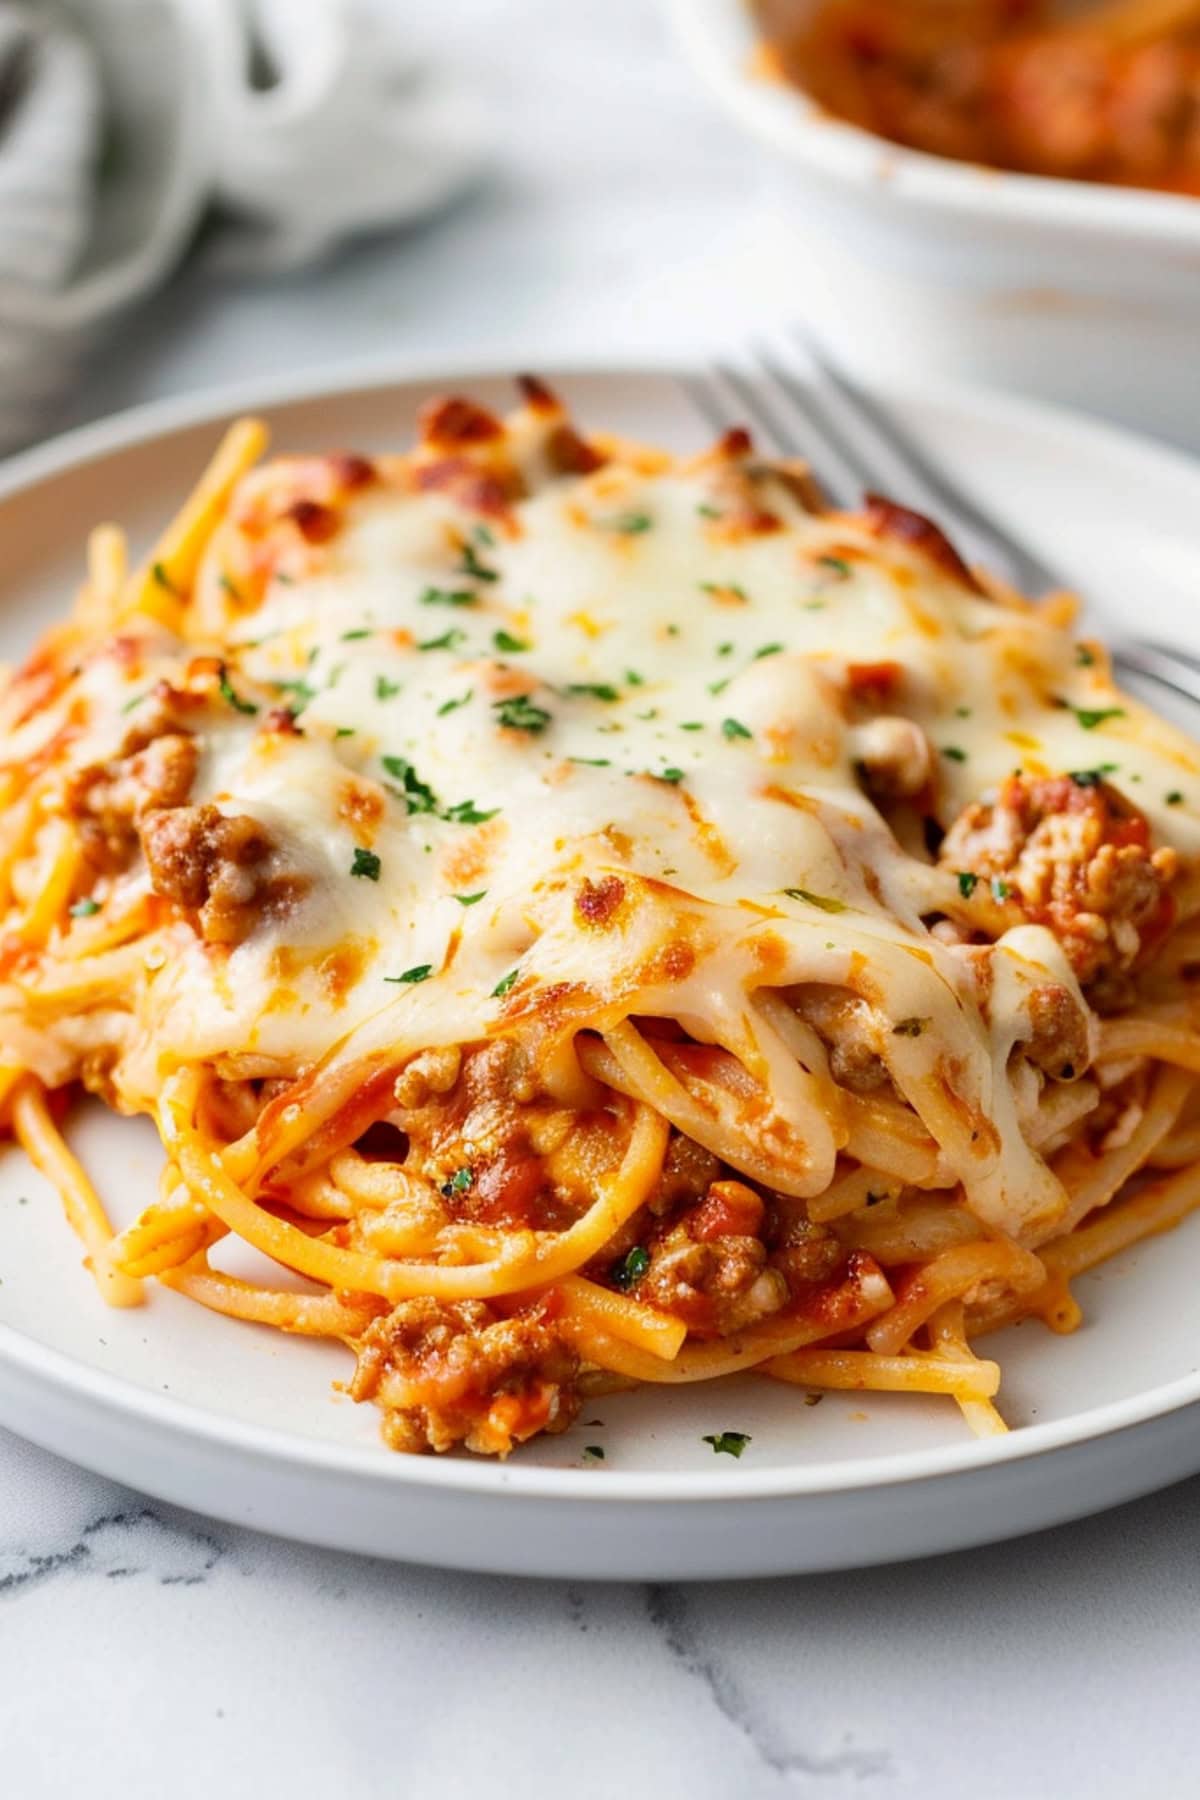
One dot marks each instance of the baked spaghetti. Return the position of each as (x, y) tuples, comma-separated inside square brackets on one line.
[(600, 919), (1107, 91)]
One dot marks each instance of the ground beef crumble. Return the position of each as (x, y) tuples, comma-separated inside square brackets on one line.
[(217, 867), (1074, 856), (449, 1373), (108, 799), (731, 1260)]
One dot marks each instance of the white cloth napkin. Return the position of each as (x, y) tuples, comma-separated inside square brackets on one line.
[(123, 122)]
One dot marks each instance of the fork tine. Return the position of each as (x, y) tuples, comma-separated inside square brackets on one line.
[(701, 391), (856, 476), (1163, 667), (1163, 655), (942, 493), (795, 422), (758, 414), (707, 395), (873, 463), (723, 396), (804, 437), (1166, 666)]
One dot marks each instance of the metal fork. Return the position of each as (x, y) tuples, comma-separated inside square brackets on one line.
[(855, 443)]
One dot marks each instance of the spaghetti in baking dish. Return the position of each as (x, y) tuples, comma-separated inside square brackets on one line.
[(597, 918), (1108, 91)]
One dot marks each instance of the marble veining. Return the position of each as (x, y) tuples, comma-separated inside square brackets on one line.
[(262, 1667), (117, 1546), (669, 1615)]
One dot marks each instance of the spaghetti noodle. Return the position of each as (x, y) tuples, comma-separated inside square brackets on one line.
[(594, 918)]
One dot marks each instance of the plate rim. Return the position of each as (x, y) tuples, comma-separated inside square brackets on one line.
[(205, 1428)]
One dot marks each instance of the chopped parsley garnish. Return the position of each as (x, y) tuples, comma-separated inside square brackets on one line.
[(726, 649), (1090, 717), (593, 1452), (767, 650), (633, 679), (674, 776), (472, 566), (836, 566), (727, 1443), (593, 690), (1085, 657), (1088, 778), (506, 983), (504, 640), (1174, 798), (301, 693), (449, 706), (365, 863), (228, 692), (483, 534), (825, 902), (909, 1027), (718, 687), (84, 909), (410, 977), (1000, 888), (228, 587), (591, 762), (470, 899), (465, 812), (629, 1269), (709, 512), (461, 1182), (136, 701), (962, 712), (733, 728), (385, 689), (162, 579), (967, 883), (436, 596), (344, 731), (418, 794), (352, 637), (630, 524), (519, 713), (692, 725), (449, 640), (954, 753), (724, 587)]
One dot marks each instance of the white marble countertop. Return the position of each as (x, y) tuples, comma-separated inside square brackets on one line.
[(145, 1652)]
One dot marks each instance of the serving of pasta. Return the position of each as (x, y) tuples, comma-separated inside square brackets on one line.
[(597, 918)]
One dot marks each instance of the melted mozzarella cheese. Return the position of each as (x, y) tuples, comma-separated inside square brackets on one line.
[(612, 684)]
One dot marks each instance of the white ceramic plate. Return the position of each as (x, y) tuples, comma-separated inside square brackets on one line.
[(243, 1423)]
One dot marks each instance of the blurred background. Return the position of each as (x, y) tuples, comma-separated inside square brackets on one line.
[(196, 191), (549, 181)]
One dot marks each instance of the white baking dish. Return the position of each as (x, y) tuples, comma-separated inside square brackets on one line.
[(907, 262)]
